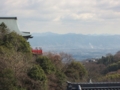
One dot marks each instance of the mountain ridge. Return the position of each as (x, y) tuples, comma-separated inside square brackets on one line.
[(52, 33), (99, 44)]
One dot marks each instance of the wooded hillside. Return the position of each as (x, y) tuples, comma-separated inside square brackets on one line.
[(106, 69), (20, 70)]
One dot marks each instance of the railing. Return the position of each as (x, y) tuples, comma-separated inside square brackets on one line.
[(37, 51)]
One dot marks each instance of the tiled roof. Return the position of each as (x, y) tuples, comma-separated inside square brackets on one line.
[(94, 86), (11, 23), (8, 17)]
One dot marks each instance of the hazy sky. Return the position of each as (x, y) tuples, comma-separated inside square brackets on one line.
[(65, 16)]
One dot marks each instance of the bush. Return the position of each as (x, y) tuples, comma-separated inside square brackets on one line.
[(112, 67), (37, 73), (16, 42), (61, 80), (75, 71), (7, 80), (115, 77), (46, 64)]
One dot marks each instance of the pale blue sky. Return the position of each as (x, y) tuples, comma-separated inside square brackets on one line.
[(65, 16)]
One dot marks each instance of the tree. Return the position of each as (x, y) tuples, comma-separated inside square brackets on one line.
[(46, 64), (75, 71)]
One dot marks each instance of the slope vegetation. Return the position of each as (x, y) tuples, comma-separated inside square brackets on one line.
[(20, 70)]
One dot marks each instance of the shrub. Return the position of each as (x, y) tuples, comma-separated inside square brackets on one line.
[(75, 71), (112, 67), (7, 80), (61, 80), (46, 64), (16, 42), (37, 73), (114, 77)]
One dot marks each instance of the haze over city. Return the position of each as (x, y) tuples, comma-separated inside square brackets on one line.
[(64, 16)]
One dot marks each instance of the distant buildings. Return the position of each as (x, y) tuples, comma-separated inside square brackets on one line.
[(91, 60), (11, 23)]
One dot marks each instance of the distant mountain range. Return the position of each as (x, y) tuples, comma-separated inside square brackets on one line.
[(77, 43)]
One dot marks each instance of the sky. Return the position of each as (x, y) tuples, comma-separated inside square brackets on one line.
[(64, 16)]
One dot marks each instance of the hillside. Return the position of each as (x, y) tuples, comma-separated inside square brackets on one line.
[(106, 69), (21, 70)]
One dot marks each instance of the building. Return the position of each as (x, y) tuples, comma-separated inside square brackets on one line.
[(94, 86), (11, 23)]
